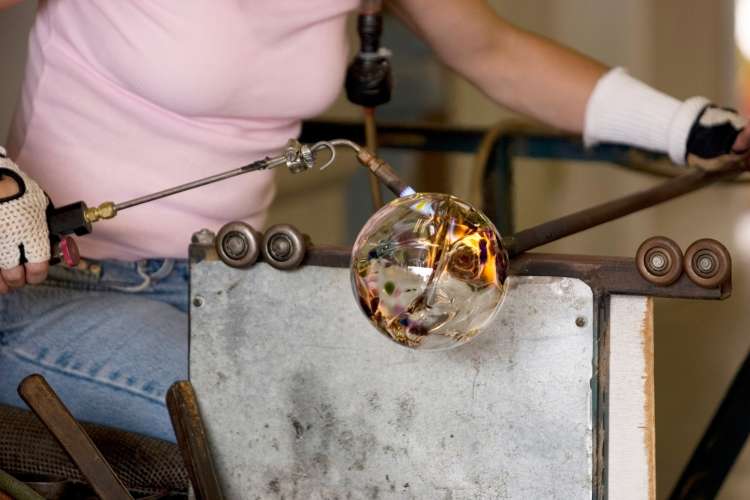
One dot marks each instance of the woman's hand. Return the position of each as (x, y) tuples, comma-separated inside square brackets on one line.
[(23, 228)]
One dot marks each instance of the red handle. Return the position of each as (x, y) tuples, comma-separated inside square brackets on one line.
[(68, 252)]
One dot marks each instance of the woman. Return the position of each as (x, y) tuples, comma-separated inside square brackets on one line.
[(126, 97)]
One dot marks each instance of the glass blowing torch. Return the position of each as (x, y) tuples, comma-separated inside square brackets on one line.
[(77, 218)]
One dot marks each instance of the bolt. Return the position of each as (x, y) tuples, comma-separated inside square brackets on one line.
[(658, 261), (235, 245), (706, 263), (580, 321), (203, 237), (198, 301), (280, 247)]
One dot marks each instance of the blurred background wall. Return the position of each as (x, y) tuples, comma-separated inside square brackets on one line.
[(684, 47)]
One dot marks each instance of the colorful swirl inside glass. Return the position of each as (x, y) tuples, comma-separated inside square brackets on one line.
[(429, 271)]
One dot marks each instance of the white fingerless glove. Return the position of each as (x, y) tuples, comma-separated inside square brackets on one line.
[(624, 110), (23, 220)]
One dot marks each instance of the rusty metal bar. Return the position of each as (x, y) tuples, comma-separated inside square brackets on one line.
[(45, 403), (612, 275), (600, 388), (609, 275), (567, 225), (191, 437)]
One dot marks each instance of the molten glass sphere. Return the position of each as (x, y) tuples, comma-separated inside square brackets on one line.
[(429, 271)]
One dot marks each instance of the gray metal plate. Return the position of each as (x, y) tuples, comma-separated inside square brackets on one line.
[(304, 399)]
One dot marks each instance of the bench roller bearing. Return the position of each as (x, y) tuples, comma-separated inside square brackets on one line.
[(659, 261), (283, 247), (238, 244), (708, 263)]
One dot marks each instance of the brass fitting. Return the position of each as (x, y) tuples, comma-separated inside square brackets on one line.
[(383, 171), (106, 210), (368, 160)]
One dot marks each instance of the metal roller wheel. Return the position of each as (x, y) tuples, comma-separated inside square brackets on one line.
[(659, 261), (283, 247), (708, 263), (238, 244)]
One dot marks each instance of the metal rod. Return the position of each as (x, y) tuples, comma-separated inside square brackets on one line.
[(252, 167), (192, 440), (347, 143), (585, 219), (720, 445), (297, 158), (45, 403), (371, 143)]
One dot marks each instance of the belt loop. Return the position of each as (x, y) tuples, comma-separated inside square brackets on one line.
[(164, 270)]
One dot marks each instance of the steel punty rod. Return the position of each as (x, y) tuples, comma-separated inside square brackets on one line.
[(585, 219), (77, 218), (252, 167), (380, 168)]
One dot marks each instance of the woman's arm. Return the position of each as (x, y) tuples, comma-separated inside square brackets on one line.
[(525, 72), (558, 86)]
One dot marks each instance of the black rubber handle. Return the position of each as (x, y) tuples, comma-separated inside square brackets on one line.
[(64, 221)]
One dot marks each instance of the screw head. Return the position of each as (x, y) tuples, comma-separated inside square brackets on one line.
[(198, 301), (580, 321)]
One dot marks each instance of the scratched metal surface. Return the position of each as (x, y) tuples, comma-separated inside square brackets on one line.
[(303, 399)]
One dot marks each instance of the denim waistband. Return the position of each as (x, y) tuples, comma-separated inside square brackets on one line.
[(125, 276)]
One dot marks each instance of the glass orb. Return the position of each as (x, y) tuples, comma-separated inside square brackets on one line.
[(429, 271)]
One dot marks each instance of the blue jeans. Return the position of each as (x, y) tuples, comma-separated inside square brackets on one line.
[(110, 339)]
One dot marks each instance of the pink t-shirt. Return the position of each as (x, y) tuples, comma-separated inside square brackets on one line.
[(123, 98)]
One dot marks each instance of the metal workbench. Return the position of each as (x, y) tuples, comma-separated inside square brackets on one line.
[(302, 398)]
